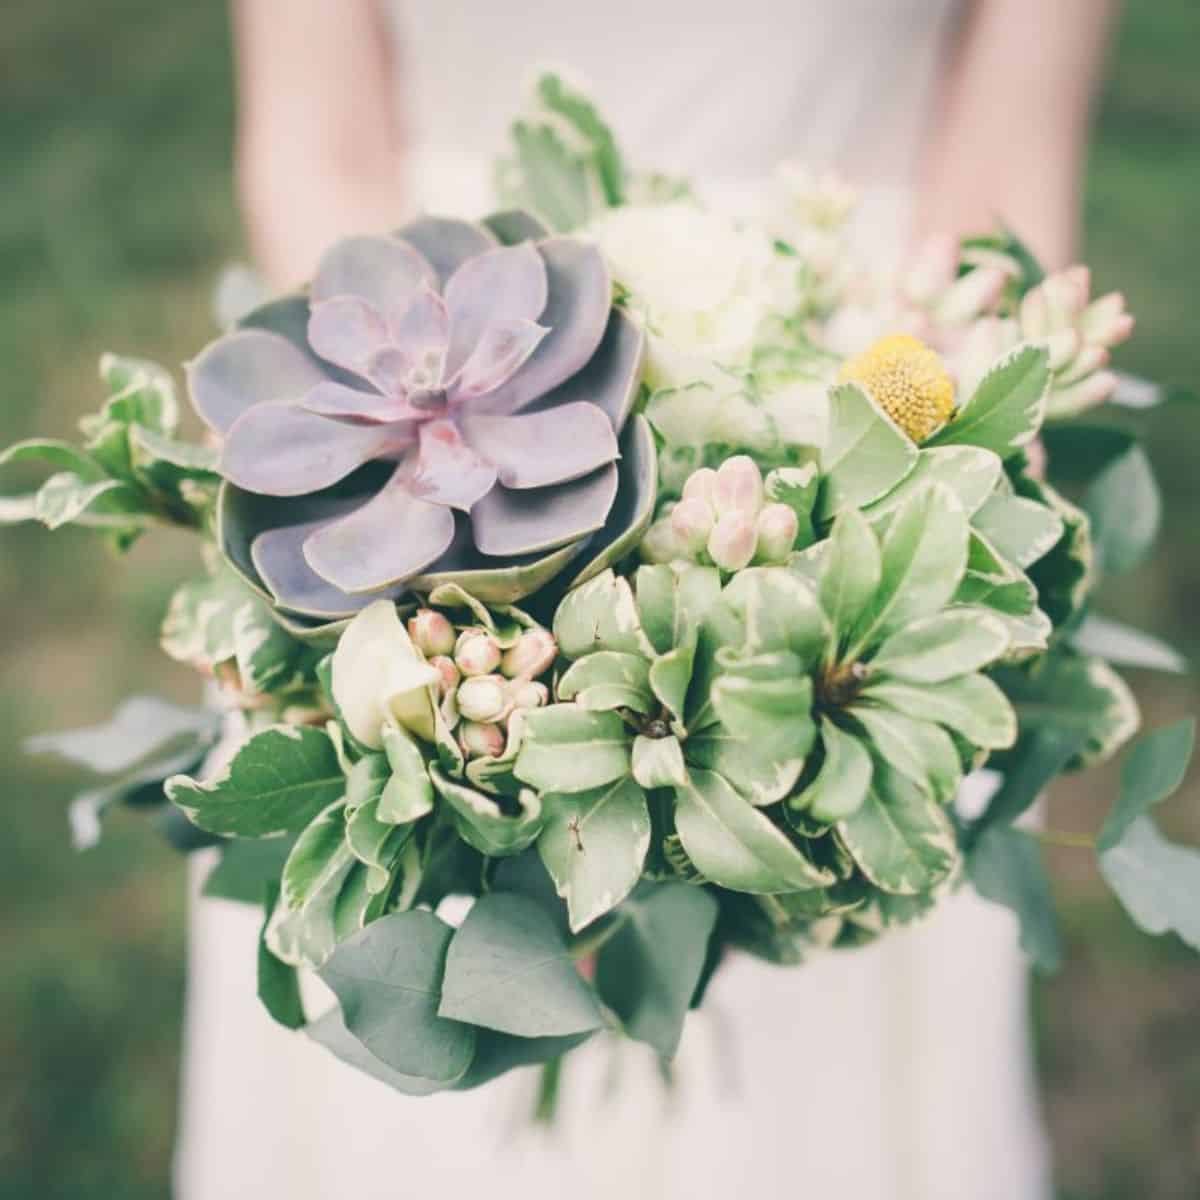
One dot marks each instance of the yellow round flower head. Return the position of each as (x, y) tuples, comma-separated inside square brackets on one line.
[(907, 380)]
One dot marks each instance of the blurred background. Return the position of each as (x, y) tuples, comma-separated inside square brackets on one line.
[(116, 217)]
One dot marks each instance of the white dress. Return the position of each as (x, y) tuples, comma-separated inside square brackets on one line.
[(897, 1072)]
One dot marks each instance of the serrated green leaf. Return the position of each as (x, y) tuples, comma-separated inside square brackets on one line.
[(649, 969), (900, 838), (276, 783), (924, 558), (934, 649), (918, 749), (508, 969), (850, 573), (567, 749), (1007, 408), (971, 705), (388, 980), (1005, 865), (842, 783), (865, 455), (735, 845), (594, 846), (482, 823), (1154, 770)]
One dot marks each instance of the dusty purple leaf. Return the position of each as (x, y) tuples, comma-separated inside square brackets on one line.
[(508, 522), (331, 399), (500, 351), (348, 331), (383, 271), (246, 368), (577, 306), (447, 470), (423, 325), (533, 450), (281, 449), (446, 242), (507, 284), (389, 539)]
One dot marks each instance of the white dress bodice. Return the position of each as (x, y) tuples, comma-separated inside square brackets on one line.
[(901, 1071)]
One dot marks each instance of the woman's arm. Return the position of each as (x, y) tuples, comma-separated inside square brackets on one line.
[(1012, 129), (318, 138)]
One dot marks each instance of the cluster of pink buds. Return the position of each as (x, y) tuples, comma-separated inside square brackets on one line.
[(946, 300), (1078, 332), (483, 688), (723, 519)]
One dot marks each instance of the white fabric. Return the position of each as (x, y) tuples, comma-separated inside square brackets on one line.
[(896, 1072)]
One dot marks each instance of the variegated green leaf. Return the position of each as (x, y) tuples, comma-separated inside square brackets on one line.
[(850, 572), (934, 649), (482, 823), (608, 679), (843, 781), (971, 705), (917, 748), (568, 749)]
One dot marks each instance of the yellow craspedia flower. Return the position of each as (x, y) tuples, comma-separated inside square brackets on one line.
[(907, 380)]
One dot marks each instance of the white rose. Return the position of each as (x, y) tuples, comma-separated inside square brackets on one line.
[(700, 284), (378, 676)]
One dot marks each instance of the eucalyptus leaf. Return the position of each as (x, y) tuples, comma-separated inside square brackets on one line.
[(1126, 646), (1125, 508), (508, 969), (1154, 770), (388, 980), (278, 985), (330, 1032)]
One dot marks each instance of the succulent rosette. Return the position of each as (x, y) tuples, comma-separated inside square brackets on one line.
[(440, 407)]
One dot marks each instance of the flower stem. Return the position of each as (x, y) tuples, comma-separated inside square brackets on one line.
[(1060, 837), (546, 1103)]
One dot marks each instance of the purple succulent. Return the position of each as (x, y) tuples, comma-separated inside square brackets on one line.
[(453, 403)]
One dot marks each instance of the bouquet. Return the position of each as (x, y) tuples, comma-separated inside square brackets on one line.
[(614, 581)]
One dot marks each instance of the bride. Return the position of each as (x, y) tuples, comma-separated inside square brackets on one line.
[(898, 1072)]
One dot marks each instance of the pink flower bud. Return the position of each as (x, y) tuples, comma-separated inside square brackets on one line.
[(1035, 313), (732, 543), (483, 698), (476, 652), (1061, 347), (1085, 394), (535, 650), (431, 632), (974, 294), (1066, 296), (931, 269), (777, 528), (691, 522), (738, 487), (481, 741), (530, 695), (448, 674), (700, 484), (1105, 322), (1077, 284), (1088, 360), (660, 545)]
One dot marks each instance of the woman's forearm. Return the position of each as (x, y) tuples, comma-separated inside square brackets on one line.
[(318, 137), (1011, 135)]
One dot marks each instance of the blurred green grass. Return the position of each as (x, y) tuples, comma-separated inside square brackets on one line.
[(115, 130)]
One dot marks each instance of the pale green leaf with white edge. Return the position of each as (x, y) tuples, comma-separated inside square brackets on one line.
[(508, 968), (1157, 881), (797, 487), (1126, 646), (734, 845), (658, 762), (671, 675), (275, 783), (1005, 866), (375, 843), (265, 654), (771, 609), (600, 615), (970, 472), (318, 853), (1154, 770), (58, 454), (15, 510), (594, 845), (141, 390), (1006, 410), (866, 454), (900, 838), (64, 498), (971, 705), (955, 642), (1027, 633), (672, 600), (408, 794), (608, 679), (1075, 694), (918, 749), (842, 783), (924, 558), (568, 749), (387, 979), (482, 823), (648, 971), (305, 937), (850, 573), (1023, 531)]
